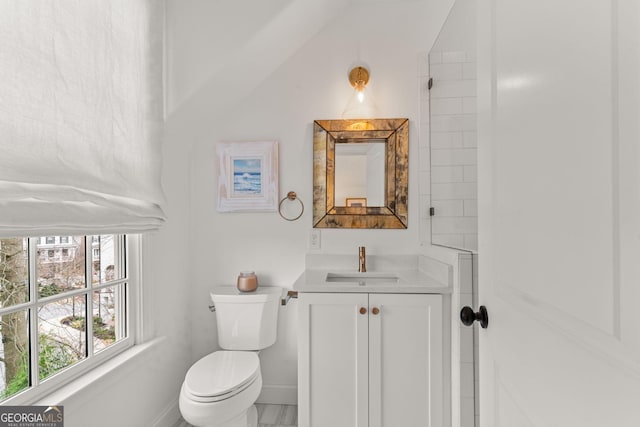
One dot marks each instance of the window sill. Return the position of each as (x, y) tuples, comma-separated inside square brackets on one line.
[(99, 373)]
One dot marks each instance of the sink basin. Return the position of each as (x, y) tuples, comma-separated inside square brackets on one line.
[(363, 278)]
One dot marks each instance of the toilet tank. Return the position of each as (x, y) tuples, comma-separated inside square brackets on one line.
[(246, 320)]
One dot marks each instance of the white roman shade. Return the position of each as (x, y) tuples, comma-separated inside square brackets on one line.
[(80, 116)]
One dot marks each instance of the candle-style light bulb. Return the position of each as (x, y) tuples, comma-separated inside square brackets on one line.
[(359, 77)]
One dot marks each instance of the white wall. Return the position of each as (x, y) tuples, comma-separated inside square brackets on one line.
[(311, 84)]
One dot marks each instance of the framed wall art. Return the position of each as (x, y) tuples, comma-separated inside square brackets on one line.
[(247, 176)]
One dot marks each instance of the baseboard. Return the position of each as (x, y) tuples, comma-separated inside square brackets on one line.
[(170, 417), (279, 394)]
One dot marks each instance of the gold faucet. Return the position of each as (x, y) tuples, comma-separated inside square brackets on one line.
[(362, 258)]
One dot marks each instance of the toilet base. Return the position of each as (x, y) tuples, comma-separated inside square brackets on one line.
[(247, 419), (225, 413), (252, 416)]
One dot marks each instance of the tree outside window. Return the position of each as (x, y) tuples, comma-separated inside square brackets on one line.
[(62, 332)]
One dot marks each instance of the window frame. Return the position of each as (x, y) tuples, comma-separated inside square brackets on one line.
[(132, 310)]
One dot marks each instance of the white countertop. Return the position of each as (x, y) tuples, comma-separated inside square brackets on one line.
[(412, 281)]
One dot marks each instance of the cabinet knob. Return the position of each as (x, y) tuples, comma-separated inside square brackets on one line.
[(375, 310), (363, 310)]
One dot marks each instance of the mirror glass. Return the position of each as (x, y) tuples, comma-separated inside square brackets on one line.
[(452, 107), (360, 173)]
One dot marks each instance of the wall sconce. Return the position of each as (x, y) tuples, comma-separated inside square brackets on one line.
[(359, 77)]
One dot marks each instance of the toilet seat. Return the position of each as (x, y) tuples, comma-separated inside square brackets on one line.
[(221, 375)]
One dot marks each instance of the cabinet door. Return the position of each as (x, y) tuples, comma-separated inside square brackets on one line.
[(406, 350), (333, 360)]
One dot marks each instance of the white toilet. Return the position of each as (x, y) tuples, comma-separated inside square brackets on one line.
[(220, 389)]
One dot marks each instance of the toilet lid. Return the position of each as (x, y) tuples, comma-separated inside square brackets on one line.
[(222, 372)]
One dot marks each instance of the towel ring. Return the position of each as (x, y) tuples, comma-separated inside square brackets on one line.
[(291, 195)]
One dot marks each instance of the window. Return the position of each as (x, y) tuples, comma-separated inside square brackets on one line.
[(64, 239), (44, 306), (50, 240)]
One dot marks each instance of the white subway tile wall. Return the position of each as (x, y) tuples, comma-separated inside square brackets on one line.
[(468, 355), (476, 378), (453, 156), (447, 182)]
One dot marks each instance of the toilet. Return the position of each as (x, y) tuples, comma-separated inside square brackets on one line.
[(220, 389)]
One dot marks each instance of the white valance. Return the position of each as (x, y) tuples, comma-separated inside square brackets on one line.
[(80, 116)]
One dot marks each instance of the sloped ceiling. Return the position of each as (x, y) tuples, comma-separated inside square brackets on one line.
[(218, 51), (227, 47)]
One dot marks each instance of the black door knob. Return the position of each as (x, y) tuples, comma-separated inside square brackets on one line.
[(467, 316)]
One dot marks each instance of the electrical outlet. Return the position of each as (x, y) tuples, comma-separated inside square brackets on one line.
[(314, 239)]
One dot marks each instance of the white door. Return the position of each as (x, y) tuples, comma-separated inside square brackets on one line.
[(559, 212)]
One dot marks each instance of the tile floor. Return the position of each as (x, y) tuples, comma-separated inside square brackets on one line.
[(271, 416), (277, 415)]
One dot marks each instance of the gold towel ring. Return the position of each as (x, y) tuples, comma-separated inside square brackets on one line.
[(291, 195)]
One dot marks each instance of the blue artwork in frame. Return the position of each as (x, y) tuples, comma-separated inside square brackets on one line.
[(247, 176)]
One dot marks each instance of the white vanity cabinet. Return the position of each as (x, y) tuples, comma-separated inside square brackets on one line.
[(370, 360)]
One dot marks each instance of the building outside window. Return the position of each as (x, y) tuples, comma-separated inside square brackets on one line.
[(44, 307)]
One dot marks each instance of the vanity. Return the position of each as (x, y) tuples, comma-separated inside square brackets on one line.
[(372, 347)]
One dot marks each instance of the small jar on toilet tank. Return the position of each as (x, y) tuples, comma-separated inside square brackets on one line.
[(247, 281)]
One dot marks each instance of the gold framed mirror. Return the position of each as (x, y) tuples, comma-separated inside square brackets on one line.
[(344, 196)]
